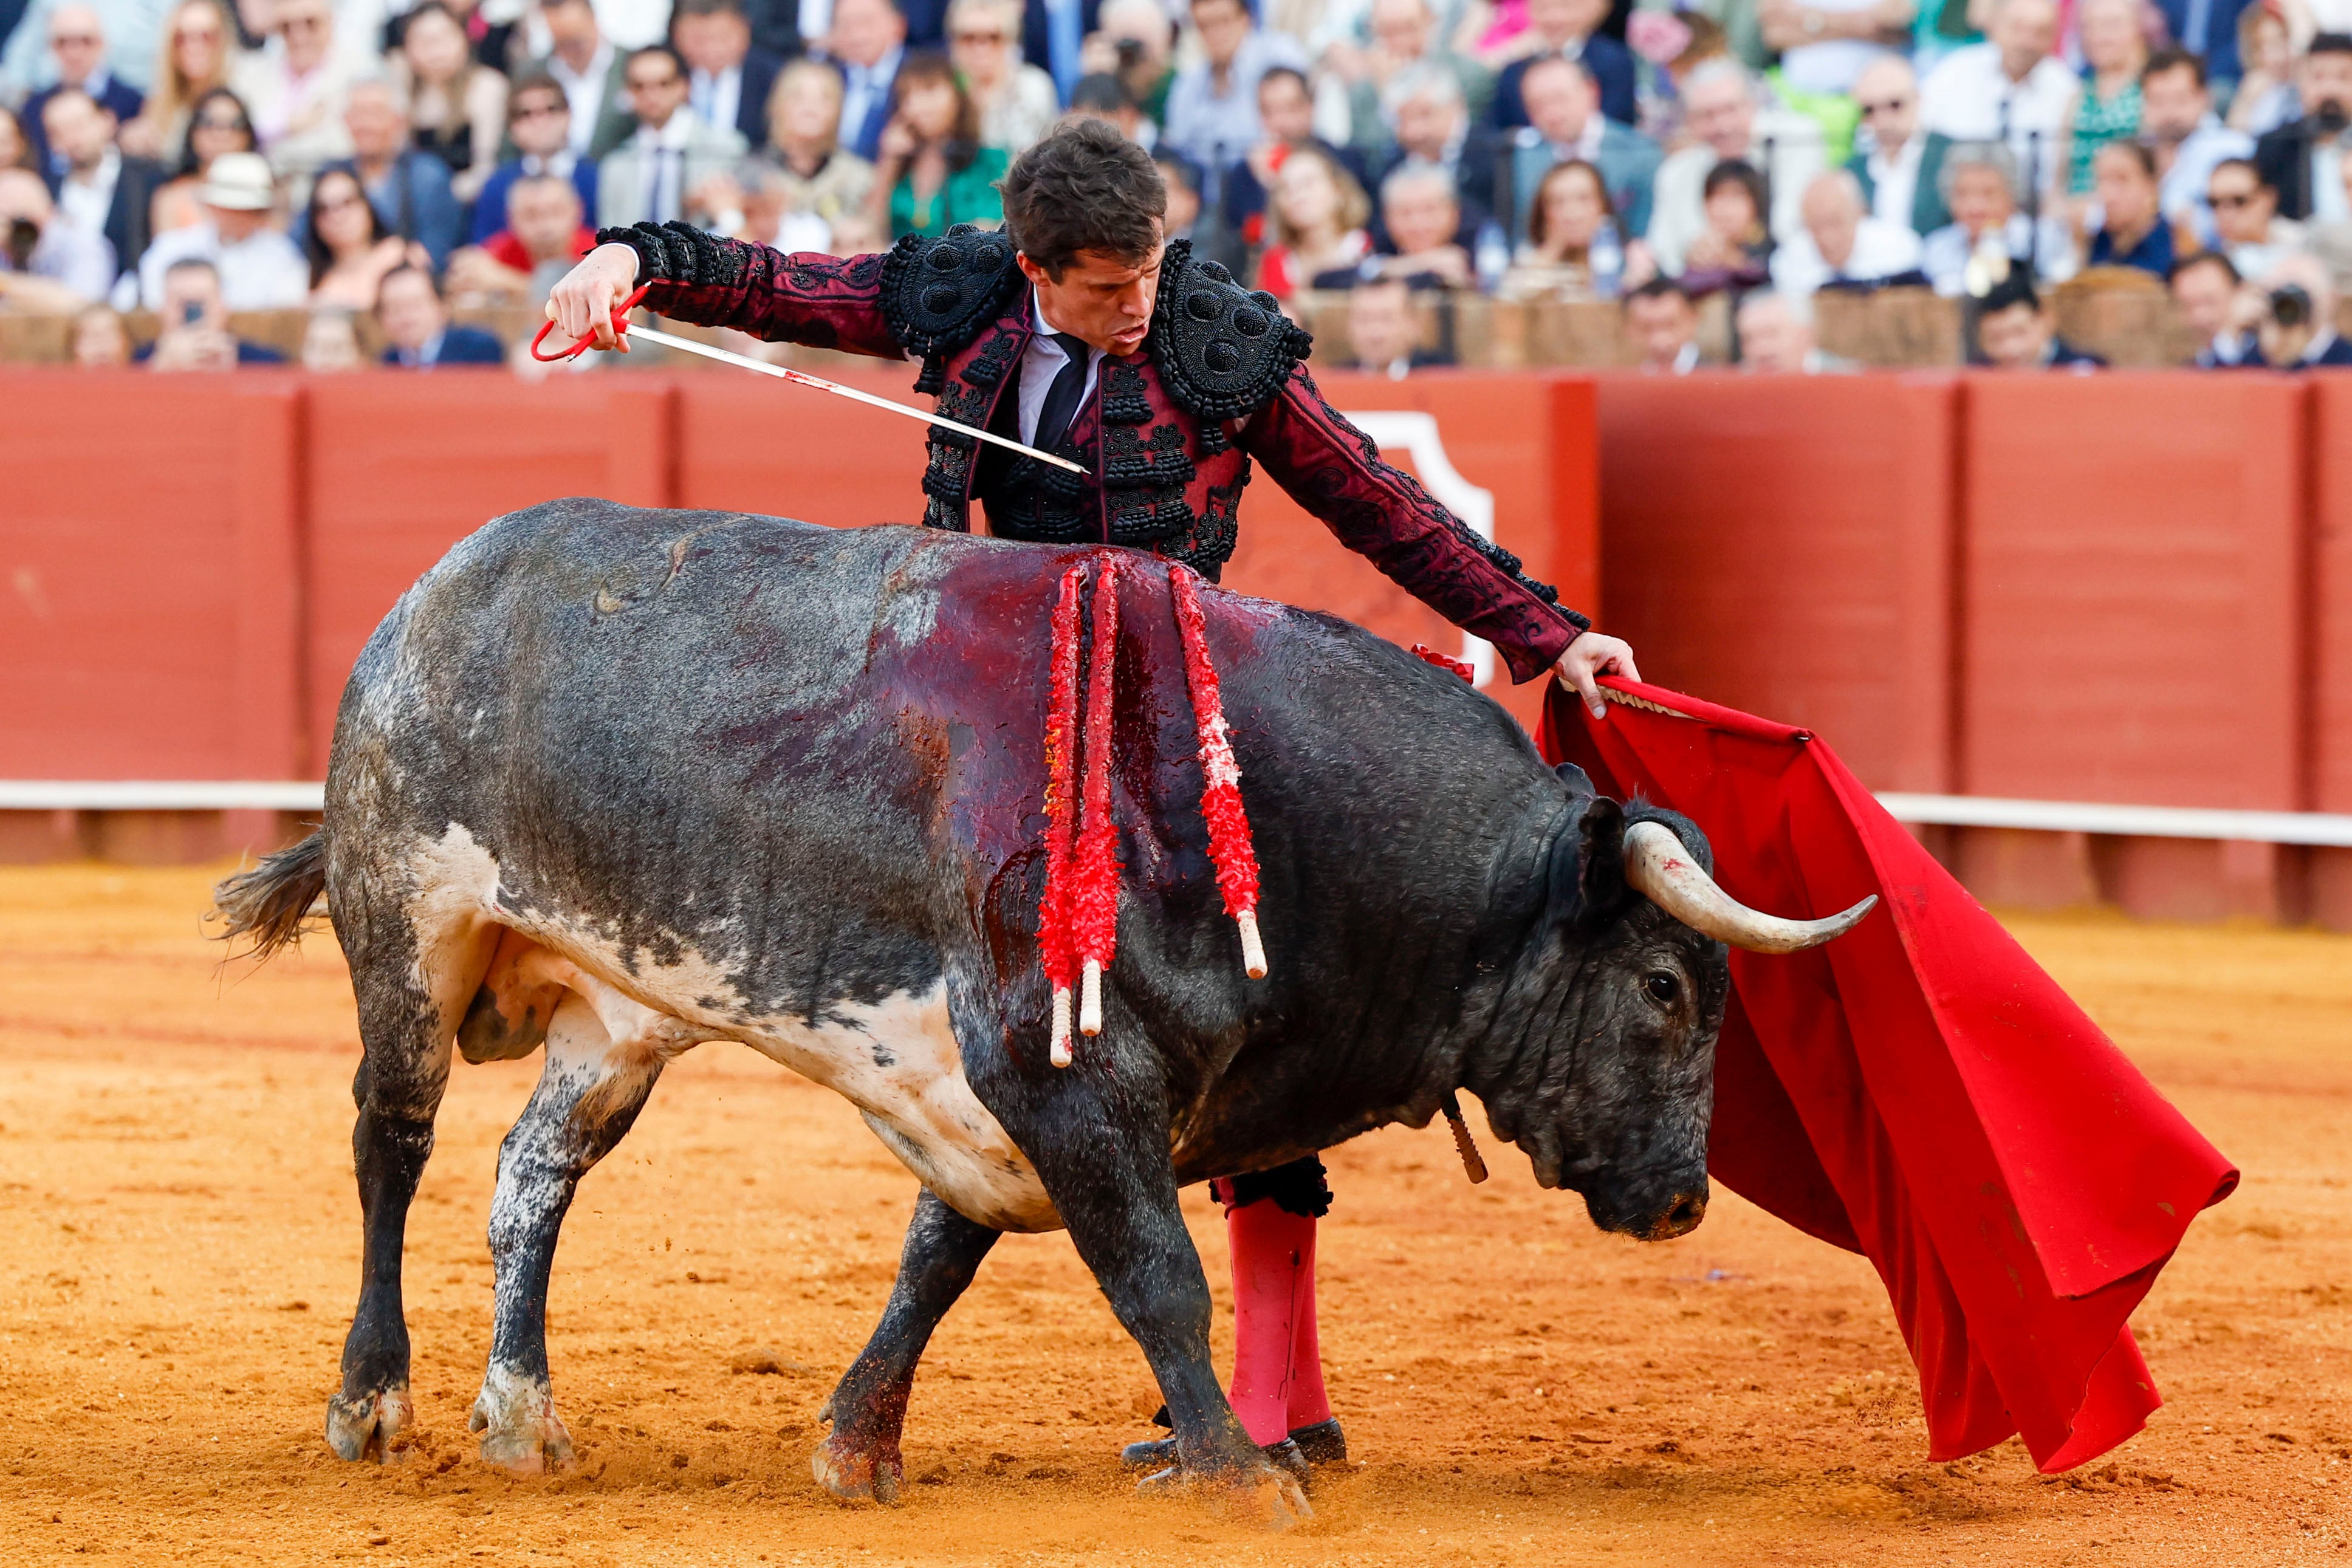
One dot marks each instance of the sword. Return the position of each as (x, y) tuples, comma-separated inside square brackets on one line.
[(798, 378)]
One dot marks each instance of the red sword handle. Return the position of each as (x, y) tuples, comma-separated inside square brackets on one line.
[(588, 340)]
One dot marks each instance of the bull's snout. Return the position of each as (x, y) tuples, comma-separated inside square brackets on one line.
[(1681, 1218), (1649, 1210)]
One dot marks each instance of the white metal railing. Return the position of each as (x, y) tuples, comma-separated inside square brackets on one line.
[(159, 795)]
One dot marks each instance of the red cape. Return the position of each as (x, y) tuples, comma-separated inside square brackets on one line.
[(1918, 1090)]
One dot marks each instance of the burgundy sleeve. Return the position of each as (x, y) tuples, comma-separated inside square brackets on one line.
[(1334, 470), (822, 301)]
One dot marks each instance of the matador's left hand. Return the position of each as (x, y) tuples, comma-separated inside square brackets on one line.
[(1591, 656)]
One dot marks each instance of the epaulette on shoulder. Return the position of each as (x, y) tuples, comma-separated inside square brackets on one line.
[(1222, 351), (939, 292)]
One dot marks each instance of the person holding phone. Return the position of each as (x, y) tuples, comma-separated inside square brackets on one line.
[(197, 334)]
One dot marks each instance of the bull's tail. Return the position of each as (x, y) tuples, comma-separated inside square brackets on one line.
[(274, 900)]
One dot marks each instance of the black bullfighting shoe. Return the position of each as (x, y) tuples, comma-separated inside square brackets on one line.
[(1319, 1446)]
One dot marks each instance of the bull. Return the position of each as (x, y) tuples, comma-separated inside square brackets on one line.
[(613, 782)]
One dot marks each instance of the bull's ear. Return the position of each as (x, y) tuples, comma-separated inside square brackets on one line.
[(1588, 863), (1578, 783)]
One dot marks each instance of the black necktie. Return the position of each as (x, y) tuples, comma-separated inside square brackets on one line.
[(1062, 397)]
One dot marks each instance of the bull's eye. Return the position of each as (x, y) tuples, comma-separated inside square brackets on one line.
[(1663, 988)]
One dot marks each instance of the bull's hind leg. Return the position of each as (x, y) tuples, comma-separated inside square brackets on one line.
[(411, 979), (604, 1053), (941, 1253)]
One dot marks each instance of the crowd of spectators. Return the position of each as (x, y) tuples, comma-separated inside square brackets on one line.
[(378, 162)]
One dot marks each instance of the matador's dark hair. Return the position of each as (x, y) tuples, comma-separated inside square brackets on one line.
[(1083, 187)]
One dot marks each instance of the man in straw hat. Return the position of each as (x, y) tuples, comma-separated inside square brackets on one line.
[(259, 268)]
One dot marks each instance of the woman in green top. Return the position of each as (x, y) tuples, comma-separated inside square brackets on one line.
[(2108, 107), (931, 171)]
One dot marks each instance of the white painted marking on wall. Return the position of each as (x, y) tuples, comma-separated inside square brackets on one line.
[(1417, 435)]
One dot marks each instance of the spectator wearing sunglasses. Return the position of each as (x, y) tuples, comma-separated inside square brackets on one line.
[(1887, 154), (2245, 209), (1017, 100), (539, 126), (77, 55)]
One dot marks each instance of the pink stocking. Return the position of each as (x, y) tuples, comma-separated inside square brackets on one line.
[(1276, 1369)]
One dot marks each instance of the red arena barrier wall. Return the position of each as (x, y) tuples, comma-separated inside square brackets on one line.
[(2329, 601), (150, 529), (2133, 610), (1784, 546), (401, 467)]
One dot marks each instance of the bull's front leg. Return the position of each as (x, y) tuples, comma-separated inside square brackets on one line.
[(1098, 1133), (941, 1253), (589, 1094)]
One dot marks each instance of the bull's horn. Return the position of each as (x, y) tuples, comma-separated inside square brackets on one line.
[(1661, 868)]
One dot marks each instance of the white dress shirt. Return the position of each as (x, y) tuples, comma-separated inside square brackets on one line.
[(815, 20), (1895, 182), (1970, 97), (73, 255), (664, 155), (89, 201), (717, 98), (261, 272), (1040, 364), (632, 24), (1880, 250), (583, 93)]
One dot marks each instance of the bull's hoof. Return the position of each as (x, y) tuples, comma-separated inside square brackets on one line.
[(362, 1427), (1319, 1446), (521, 1433), (854, 1474), (1271, 1493)]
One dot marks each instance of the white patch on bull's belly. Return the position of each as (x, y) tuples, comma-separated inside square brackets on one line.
[(896, 1060)]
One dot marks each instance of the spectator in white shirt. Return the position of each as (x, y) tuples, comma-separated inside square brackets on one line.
[(1841, 242), (50, 263), (2009, 88), (868, 42), (2245, 208), (633, 23), (1979, 182), (2177, 120), (1887, 154), (259, 268), (654, 177), (1721, 110), (589, 69), (1212, 116), (295, 89)]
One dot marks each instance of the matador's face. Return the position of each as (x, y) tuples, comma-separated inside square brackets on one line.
[(1101, 299)]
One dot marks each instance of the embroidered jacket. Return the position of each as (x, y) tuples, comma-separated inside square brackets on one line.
[(1167, 434)]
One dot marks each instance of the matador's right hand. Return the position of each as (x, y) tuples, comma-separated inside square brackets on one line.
[(585, 300)]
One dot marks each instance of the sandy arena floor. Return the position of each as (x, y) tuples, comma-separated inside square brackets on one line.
[(179, 1243)]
